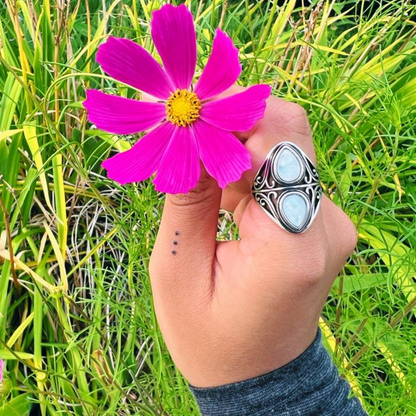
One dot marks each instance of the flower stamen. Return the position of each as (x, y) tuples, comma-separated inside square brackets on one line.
[(182, 107)]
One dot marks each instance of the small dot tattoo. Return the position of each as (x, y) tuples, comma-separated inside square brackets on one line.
[(175, 243)]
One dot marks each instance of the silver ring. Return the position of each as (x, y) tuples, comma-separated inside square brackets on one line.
[(287, 188)]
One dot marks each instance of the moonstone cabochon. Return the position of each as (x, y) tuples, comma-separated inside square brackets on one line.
[(287, 166), (295, 209)]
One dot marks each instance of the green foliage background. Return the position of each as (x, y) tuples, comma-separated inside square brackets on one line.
[(77, 327)]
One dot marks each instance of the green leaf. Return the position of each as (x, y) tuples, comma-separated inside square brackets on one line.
[(8, 355), (9, 133), (19, 406), (360, 282)]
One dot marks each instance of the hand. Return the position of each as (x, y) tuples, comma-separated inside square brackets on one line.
[(234, 310)]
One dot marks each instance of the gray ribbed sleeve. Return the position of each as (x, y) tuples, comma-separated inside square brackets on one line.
[(308, 386)]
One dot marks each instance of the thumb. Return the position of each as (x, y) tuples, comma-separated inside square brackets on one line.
[(182, 261)]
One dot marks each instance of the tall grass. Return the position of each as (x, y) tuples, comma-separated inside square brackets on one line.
[(77, 326)]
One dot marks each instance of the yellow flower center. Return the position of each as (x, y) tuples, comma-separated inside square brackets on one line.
[(183, 107)]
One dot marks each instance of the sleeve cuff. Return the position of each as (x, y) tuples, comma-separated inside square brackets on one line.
[(309, 385)]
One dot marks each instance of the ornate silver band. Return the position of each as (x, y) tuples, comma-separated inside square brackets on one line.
[(287, 188)]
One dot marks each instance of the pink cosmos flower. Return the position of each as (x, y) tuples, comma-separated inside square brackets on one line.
[(1, 370), (188, 122)]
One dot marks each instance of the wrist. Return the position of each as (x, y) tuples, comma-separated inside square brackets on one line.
[(310, 354), (308, 385)]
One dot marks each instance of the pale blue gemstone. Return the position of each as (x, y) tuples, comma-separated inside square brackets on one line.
[(295, 209), (288, 166)]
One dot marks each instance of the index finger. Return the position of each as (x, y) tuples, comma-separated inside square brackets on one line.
[(282, 121)]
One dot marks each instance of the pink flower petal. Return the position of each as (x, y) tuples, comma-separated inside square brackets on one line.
[(121, 115), (223, 155), (173, 33), (179, 169), (142, 160), (222, 69), (238, 112), (128, 62)]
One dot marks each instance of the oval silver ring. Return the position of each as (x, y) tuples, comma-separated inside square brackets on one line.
[(287, 188)]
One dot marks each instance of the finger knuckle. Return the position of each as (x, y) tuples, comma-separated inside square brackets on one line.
[(349, 234), (204, 191), (298, 111), (299, 115), (311, 263), (295, 118)]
